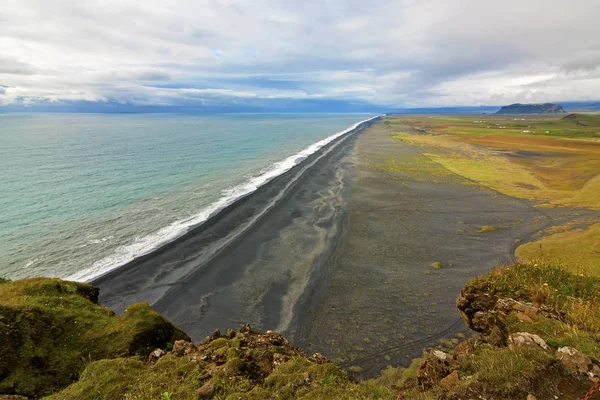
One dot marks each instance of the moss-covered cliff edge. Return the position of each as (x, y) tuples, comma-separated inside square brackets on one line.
[(536, 333)]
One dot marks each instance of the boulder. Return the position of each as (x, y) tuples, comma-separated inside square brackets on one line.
[(435, 368), (524, 317), (527, 339), (182, 347), (318, 358), (478, 310), (451, 380), (574, 360), (156, 354), (207, 391)]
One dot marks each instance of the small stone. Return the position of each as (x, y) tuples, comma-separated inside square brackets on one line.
[(182, 347), (215, 335), (156, 354), (318, 358), (531, 397), (207, 391), (524, 317), (306, 377), (440, 354), (274, 338), (230, 333), (531, 312), (279, 359), (451, 380)]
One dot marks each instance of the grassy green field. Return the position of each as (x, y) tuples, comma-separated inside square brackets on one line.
[(551, 160)]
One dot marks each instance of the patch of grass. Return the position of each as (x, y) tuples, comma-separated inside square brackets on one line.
[(557, 334), (577, 249), (508, 371), (134, 379), (181, 378), (527, 166), (487, 228)]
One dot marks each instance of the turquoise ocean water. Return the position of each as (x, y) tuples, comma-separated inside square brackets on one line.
[(83, 193)]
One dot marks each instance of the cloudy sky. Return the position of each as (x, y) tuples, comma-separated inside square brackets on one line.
[(394, 53)]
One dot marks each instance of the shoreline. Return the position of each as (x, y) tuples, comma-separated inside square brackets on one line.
[(232, 254), (237, 194)]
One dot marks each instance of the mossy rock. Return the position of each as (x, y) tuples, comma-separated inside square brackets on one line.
[(50, 329)]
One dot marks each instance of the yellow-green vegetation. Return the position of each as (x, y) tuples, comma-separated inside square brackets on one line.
[(549, 160), (244, 365), (50, 329), (399, 377), (416, 167), (527, 165), (487, 228), (578, 248), (437, 265)]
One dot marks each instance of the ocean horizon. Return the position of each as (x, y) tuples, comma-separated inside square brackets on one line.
[(86, 193)]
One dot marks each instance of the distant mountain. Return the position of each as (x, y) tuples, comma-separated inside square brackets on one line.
[(546, 108)]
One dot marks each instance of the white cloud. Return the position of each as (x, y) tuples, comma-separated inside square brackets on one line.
[(396, 53)]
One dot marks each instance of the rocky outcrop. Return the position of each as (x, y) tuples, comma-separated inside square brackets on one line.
[(434, 368), (50, 329)]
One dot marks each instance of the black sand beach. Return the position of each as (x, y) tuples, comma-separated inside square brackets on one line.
[(339, 254), (252, 263)]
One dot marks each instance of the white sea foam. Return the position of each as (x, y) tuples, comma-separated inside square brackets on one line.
[(144, 245)]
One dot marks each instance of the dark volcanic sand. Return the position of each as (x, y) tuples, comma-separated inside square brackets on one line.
[(254, 262), (384, 301)]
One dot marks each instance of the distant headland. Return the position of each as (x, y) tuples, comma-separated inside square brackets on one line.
[(517, 108)]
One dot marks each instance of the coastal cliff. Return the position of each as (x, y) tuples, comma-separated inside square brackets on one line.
[(535, 333)]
